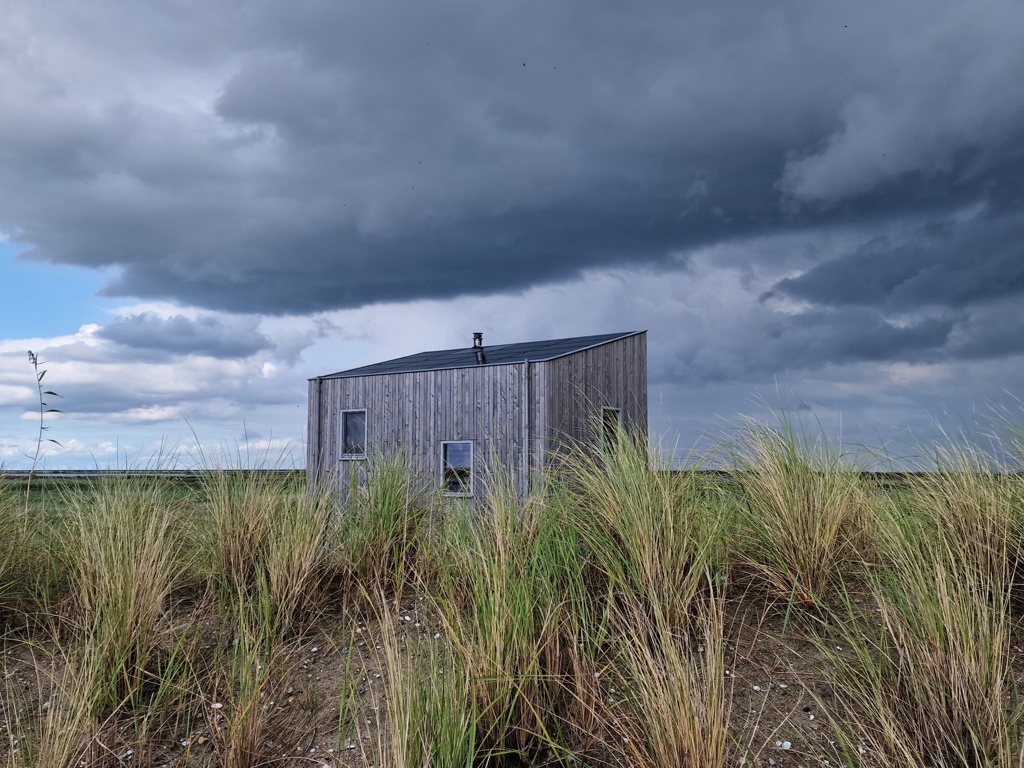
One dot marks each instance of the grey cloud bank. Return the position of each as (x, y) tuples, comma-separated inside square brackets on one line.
[(822, 185), (181, 335), (348, 153)]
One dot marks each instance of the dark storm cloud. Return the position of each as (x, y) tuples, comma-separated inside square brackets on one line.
[(990, 331), (293, 159), (839, 336), (951, 264), (506, 251), (965, 274), (767, 343), (178, 335)]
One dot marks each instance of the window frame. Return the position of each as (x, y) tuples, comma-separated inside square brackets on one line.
[(606, 437), (341, 429), (472, 461)]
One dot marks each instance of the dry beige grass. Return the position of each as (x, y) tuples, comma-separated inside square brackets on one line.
[(596, 624), (802, 512)]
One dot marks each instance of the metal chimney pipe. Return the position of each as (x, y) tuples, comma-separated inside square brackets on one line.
[(478, 340)]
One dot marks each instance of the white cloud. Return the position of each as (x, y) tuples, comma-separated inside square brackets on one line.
[(111, 397), (716, 343), (153, 413), (916, 375)]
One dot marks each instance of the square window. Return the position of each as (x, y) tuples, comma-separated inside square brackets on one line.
[(353, 434), (457, 468)]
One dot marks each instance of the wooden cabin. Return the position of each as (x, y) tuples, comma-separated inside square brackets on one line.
[(454, 411)]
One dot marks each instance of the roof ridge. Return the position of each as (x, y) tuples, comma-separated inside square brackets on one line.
[(539, 350)]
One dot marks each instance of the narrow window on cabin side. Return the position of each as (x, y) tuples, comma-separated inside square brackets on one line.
[(353, 434), (457, 468), (611, 426)]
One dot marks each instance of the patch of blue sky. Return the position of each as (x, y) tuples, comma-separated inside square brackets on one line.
[(39, 299)]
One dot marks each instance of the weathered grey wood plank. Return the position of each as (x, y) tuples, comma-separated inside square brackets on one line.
[(414, 412)]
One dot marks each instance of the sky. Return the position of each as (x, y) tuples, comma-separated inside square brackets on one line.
[(814, 208)]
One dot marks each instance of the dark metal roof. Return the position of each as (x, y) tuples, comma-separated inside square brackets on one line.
[(466, 357)]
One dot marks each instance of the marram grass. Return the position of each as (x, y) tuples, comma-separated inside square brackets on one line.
[(595, 623), (382, 528), (499, 611), (801, 522), (651, 531), (935, 683), (124, 557)]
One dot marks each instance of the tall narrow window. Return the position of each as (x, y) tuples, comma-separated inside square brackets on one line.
[(611, 426), (457, 468), (353, 434)]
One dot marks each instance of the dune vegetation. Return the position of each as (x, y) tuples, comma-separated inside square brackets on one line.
[(792, 612)]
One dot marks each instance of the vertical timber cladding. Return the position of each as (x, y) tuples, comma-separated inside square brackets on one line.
[(314, 444), (571, 390), (312, 430), (411, 413)]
